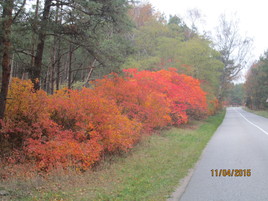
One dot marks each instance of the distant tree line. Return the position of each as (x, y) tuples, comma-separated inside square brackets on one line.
[(236, 95), (256, 86)]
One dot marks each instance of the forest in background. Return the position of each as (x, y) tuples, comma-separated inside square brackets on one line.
[(69, 43), (91, 61), (254, 92), (256, 86)]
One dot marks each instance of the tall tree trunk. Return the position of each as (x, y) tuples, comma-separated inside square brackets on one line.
[(58, 62), (90, 72), (70, 66), (51, 71), (34, 34), (58, 47), (11, 68), (55, 59), (6, 57), (36, 71)]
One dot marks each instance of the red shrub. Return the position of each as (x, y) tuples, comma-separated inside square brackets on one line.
[(26, 115), (74, 128), (183, 92), (86, 111), (68, 128), (63, 151), (143, 104)]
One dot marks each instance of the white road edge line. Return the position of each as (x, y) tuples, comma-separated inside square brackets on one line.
[(253, 124)]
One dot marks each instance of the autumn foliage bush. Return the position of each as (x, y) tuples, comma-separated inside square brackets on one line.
[(156, 99), (75, 128)]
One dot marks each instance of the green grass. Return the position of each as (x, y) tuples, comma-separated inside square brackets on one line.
[(263, 113), (151, 171)]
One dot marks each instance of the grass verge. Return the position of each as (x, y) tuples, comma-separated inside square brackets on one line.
[(151, 171), (263, 113)]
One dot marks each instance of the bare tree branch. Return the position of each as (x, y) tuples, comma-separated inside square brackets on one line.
[(234, 49)]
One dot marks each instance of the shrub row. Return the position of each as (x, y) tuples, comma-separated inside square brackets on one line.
[(74, 128)]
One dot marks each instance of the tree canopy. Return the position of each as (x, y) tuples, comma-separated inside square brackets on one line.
[(256, 85), (69, 43)]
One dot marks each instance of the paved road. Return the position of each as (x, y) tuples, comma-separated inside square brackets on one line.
[(241, 142)]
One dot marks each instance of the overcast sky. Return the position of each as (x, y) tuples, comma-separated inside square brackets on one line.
[(253, 16)]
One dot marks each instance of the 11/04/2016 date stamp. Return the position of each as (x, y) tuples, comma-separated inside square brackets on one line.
[(231, 172)]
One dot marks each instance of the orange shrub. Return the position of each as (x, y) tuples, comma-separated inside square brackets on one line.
[(183, 93), (88, 126), (64, 150), (90, 115), (148, 107), (26, 115), (75, 128), (69, 128)]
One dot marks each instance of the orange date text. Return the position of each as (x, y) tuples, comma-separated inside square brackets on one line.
[(231, 172)]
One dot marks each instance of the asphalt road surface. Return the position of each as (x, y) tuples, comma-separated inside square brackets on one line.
[(234, 165)]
